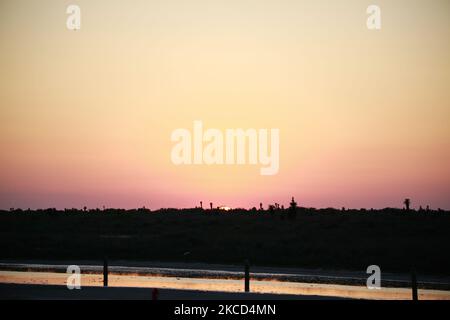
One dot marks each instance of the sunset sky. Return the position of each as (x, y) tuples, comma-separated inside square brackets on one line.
[(86, 116)]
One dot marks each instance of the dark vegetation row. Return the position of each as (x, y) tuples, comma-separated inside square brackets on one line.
[(394, 239)]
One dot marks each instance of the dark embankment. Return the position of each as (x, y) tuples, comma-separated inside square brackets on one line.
[(396, 240)]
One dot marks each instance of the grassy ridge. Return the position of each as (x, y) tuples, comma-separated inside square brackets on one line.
[(329, 239)]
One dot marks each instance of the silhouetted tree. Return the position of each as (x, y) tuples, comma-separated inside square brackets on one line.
[(260, 206), (210, 205), (292, 208), (407, 203), (201, 204)]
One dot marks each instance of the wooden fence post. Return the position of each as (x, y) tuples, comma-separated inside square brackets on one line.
[(155, 294), (247, 276), (415, 296), (105, 272)]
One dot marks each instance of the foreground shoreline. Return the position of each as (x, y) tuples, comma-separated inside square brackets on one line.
[(60, 292), (216, 278), (221, 271)]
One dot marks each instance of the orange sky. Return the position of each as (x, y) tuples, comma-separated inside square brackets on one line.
[(86, 116)]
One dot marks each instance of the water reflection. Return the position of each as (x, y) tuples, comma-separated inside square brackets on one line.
[(224, 285)]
